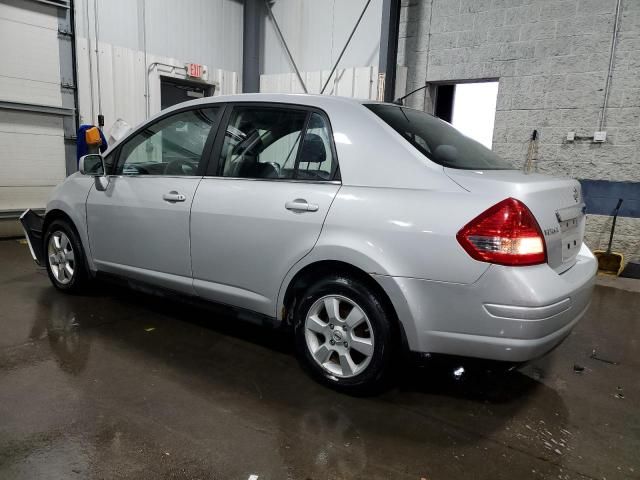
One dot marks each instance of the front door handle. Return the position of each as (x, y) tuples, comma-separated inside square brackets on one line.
[(173, 197), (301, 205)]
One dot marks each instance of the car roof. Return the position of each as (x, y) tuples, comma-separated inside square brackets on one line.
[(311, 100), (323, 102)]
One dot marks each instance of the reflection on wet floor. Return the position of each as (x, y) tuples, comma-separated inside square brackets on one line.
[(118, 384)]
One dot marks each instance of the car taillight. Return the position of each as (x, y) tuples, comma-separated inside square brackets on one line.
[(506, 234)]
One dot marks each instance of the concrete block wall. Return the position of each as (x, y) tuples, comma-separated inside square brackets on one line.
[(551, 58)]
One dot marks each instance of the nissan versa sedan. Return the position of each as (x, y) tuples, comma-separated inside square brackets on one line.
[(368, 229)]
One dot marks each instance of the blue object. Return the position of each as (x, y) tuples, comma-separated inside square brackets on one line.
[(81, 145), (601, 197)]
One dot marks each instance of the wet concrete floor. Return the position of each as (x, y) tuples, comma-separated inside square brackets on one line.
[(119, 384)]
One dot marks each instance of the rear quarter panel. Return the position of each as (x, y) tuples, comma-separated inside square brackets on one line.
[(395, 232), (400, 232)]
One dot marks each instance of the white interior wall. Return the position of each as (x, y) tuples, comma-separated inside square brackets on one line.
[(347, 82), (197, 31), (122, 83), (360, 82), (316, 31), (208, 32)]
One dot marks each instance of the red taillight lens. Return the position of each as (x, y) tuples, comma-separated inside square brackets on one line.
[(506, 234)]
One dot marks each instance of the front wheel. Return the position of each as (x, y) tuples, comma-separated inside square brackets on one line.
[(344, 335), (65, 261)]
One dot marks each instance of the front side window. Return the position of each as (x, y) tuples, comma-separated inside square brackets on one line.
[(172, 146), (438, 140)]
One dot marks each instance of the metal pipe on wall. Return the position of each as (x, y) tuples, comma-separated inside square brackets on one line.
[(87, 23), (74, 53), (607, 88), (97, 36), (146, 67)]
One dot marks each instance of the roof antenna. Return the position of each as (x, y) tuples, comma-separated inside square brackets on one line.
[(400, 101)]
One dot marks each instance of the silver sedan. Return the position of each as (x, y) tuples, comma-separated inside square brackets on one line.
[(366, 228)]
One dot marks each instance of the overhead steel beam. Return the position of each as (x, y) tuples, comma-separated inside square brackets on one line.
[(252, 16), (389, 46)]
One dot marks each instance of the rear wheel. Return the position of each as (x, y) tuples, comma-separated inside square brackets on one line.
[(65, 261), (344, 336)]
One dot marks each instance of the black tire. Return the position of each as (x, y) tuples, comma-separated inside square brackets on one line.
[(81, 279), (374, 377)]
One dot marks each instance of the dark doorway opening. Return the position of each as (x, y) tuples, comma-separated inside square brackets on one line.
[(175, 90), (444, 102)]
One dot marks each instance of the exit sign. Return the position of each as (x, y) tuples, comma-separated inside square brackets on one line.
[(194, 70)]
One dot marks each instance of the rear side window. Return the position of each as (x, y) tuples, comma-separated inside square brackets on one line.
[(262, 142), (277, 143), (316, 161), (438, 140)]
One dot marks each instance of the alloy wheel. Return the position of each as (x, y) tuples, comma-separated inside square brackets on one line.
[(339, 336), (61, 257)]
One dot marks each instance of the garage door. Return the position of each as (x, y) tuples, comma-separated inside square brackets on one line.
[(34, 107)]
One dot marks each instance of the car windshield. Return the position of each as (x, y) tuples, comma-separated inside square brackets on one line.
[(438, 140)]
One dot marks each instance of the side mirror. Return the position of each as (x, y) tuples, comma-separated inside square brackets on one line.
[(92, 164)]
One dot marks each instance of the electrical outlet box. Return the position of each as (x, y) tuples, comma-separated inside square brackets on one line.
[(571, 136), (600, 137)]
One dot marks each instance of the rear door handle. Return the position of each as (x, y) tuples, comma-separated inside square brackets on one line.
[(173, 197), (301, 205)]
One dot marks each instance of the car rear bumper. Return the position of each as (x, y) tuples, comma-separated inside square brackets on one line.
[(509, 314), (32, 225)]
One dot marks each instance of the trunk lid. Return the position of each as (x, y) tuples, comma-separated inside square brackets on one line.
[(555, 202)]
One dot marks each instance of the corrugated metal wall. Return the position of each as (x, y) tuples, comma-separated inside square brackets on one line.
[(32, 156), (208, 32)]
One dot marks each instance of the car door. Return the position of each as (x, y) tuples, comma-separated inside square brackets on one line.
[(139, 225), (272, 179)]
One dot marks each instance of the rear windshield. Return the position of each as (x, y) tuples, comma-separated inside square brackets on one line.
[(438, 140)]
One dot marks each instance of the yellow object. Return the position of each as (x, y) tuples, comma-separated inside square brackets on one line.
[(609, 263), (92, 136)]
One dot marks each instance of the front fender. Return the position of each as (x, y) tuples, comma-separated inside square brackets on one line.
[(70, 198)]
